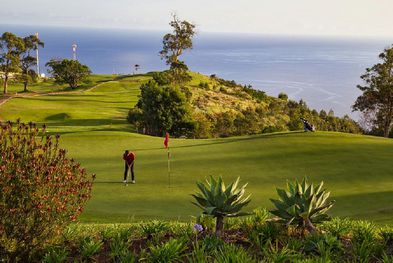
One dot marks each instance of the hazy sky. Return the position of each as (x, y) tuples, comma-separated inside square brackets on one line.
[(294, 17)]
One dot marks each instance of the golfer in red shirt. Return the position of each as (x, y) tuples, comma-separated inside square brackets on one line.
[(129, 159)]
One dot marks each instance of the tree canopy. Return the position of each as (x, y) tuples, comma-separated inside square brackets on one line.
[(173, 46), (10, 48), (31, 43), (377, 98), (71, 72), (162, 109)]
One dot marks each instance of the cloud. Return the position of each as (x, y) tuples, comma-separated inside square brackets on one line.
[(300, 17)]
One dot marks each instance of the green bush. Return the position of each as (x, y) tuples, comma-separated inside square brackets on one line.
[(56, 255), (275, 253), (326, 246), (265, 233), (90, 247), (171, 251), (154, 230), (338, 227), (365, 243), (162, 78), (42, 190), (71, 72), (120, 251), (302, 204), (162, 109), (232, 254)]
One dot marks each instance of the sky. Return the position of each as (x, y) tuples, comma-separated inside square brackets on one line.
[(355, 18)]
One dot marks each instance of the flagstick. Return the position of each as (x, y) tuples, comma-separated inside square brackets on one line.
[(169, 168)]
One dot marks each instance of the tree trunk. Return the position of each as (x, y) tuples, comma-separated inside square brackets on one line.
[(309, 226), (219, 225), (387, 124), (25, 86), (5, 83), (386, 131)]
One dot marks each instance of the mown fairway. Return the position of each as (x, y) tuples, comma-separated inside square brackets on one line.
[(357, 169)]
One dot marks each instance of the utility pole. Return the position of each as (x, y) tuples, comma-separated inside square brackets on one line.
[(37, 58), (74, 46)]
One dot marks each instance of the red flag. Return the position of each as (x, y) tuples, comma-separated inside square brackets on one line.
[(166, 141)]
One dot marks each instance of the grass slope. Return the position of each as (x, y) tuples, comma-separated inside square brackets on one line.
[(357, 169)]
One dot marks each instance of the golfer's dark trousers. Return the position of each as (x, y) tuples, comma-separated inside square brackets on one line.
[(126, 171)]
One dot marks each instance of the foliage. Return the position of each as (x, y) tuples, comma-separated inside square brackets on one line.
[(90, 247), (82, 243), (283, 96), (221, 108), (71, 72), (173, 46), (56, 255), (41, 189), (162, 109), (161, 78), (261, 234), (10, 48), (326, 246), (273, 253), (31, 43), (302, 204), (212, 243), (256, 94), (365, 243), (170, 251), (377, 94), (119, 248), (338, 227), (221, 201), (232, 254), (154, 229)]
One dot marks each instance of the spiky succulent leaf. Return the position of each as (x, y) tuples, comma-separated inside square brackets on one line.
[(216, 199), (301, 202)]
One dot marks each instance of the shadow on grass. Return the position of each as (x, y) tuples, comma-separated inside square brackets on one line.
[(241, 138), (62, 120), (109, 182), (376, 203)]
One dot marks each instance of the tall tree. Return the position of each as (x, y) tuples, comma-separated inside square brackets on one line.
[(162, 109), (31, 43), (71, 72), (173, 46), (11, 46), (377, 94)]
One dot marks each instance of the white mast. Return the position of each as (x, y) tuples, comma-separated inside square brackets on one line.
[(74, 46)]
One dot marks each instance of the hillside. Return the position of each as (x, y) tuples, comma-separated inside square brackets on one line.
[(213, 107), (357, 169)]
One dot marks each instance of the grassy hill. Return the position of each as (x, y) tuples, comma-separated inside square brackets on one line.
[(357, 169)]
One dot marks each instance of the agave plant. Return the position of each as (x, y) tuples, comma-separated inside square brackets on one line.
[(302, 204), (221, 201)]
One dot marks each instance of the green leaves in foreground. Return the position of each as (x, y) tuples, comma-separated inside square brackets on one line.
[(302, 204), (221, 201)]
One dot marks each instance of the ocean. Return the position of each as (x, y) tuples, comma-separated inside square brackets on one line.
[(322, 71)]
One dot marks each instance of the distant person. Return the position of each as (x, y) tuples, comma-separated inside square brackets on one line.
[(307, 126), (129, 160)]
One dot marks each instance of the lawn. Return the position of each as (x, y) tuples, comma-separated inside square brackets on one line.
[(357, 169)]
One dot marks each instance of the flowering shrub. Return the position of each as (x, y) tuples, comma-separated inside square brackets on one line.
[(41, 190)]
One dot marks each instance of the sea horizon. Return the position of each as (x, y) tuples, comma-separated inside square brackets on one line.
[(323, 71)]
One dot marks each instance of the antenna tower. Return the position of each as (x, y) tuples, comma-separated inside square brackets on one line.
[(74, 46)]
